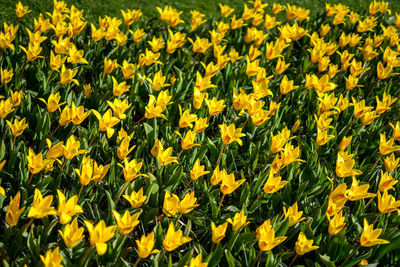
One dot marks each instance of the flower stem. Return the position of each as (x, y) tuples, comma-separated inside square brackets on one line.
[(220, 203), (58, 127), (257, 258), (30, 179), (80, 192), (120, 193), (257, 199), (373, 167), (187, 185), (86, 255), (94, 137), (294, 258), (220, 154), (136, 262), (351, 255)]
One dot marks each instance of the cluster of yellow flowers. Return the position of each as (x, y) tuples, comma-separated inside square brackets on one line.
[(253, 93)]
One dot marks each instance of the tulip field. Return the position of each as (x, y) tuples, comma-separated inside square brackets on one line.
[(265, 135)]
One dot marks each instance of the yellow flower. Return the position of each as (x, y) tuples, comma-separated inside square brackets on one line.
[(109, 65), (188, 141), (156, 44), (71, 148), (218, 175), (186, 118), (384, 72), (67, 76), (123, 150), (286, 86), (197, 170), (386, 147), (396, 130), (72, 234), (87, 90), (391, 163), (198, 262), (238, 221), (229, 184), (126, 223), (293, 214), (281, 66), (136, 199), (187, 204), (119, 107), (274, 184), (173, 239), (171, 204), (303, 245), (336, 224), (279, 140), (6, 75), (119, 88), (218, 233), (225, 10), (337, 199), (345, 164), (200, 125), (387, 203), (230, 134), (18, 126), (75, 56), (386, 182), (128, 70), (131, 169), (13, 211), (131, 16), (35, 162), (52, 258), (52, 103), (215, 106), (78, 114), (369, 236), (67, 208), (106, 122), (266, 236), (200, 45), (357, 192), (164, 156), (145, 246), (6, 107), (170, 15), (86, 172), (323, 137), (99, 235), (41, 207), (158, 81), (344, 143), (21, 10)]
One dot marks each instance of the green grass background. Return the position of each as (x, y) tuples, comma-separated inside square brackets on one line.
[(95, 8)]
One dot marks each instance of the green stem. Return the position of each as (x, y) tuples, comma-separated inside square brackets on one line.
[(86, 255), (220, 154)]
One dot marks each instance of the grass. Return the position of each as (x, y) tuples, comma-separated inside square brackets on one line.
[(94, 9)]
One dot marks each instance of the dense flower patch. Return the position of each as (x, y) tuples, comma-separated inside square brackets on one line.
[(261, 137)]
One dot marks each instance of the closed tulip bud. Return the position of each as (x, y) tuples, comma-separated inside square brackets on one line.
[(218, 233), (13, 211), (171, 204)]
